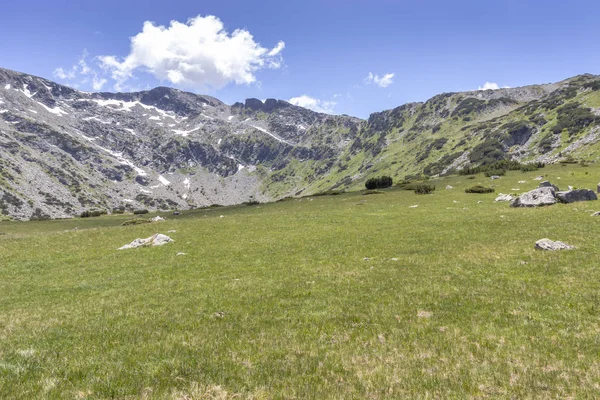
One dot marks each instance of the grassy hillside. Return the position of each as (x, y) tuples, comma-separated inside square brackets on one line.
[(450, 131), (348, 296)]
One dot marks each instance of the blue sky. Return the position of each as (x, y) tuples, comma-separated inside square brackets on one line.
[(333, 55)]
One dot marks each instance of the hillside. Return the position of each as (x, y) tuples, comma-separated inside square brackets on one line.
[(63, 151)]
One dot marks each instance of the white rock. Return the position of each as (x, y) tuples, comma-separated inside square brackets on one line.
[(539, 178), (157, 219), (504, 197), (221, 216), (547, 244), (155, 240), (413, 206), (448, 187), (522, 181), (543, 196)]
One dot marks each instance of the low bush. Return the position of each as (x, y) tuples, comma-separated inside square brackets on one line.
[(367, 192), (381, 182), (136, 221), (139, 212), (424, 188), (479, 189), (93, 213)]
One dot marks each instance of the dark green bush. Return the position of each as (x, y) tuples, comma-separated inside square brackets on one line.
[(424, 188), (139, 212), (381, 182), (118, 210), (367, 192), (136, 221), (479, 189), (573, 118)]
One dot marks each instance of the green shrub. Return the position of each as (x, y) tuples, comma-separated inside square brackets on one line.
[(367, 192), (499, 172), (118, 210), (573, 118), (381, 182), (136, 221), (329, 193), (424, 188), (139, 212), (479, 189)]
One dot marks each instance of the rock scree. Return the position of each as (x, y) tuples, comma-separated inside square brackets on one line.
[(547, 244), (157, 239)]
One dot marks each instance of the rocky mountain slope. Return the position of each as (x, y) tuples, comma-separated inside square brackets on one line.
[(63, 151)]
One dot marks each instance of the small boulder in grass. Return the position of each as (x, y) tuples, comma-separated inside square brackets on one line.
[(158, 218), (504, 197), (155, 240), (547, 244)]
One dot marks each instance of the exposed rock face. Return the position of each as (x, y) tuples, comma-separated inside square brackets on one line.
[(547, 244), (572, 196), (63, 151), (504, 197), (155, 240), (535, 198)]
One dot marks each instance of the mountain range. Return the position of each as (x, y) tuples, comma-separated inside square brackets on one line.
[(64, 151)]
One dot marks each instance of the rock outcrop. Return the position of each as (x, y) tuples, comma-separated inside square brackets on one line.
[(544, 196), (572, 196), (155, 240), (547, 244)]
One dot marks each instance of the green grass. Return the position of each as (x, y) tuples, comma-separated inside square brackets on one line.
[(278, 300)]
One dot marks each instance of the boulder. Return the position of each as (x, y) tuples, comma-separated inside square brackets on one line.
[(155, 240), (158, 218), (494, 177), (571, 196), (548, 184), (538, 178), (596, 214), (448, 187), (535, 198), (547, 244), (504, 197)]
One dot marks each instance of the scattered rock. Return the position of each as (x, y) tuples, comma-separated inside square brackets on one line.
[(543, 196), (155, 240), (221, 216), (219, 314), (598, 188), (504, 197), (597, 213), (182, 254), (394, 259), (479, 201), (158, 218), (571, 196), (570, 187), (172, 231), (448, 187), (455, 202), (367, 259), (522, 181), (424, 314), (523, 262), (493, 177), (413, 206), (176, 213), (538, 178), (547, 244), (548, 184)]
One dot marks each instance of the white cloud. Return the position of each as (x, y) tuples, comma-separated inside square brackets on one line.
[(317, 105), (492, 86), (199, 53), (384, 81), (83, 71)]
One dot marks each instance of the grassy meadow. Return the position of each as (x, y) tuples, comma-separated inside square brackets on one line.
[(329, 297)]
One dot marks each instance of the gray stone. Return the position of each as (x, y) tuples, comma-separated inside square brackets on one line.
[(158, 218), (598, 188), (596, 214), (504, 197), (571, 196), (538, 178), (448, 187), (157, 239), (547, 244), (548, 184), (494, 177), (535, 198)]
